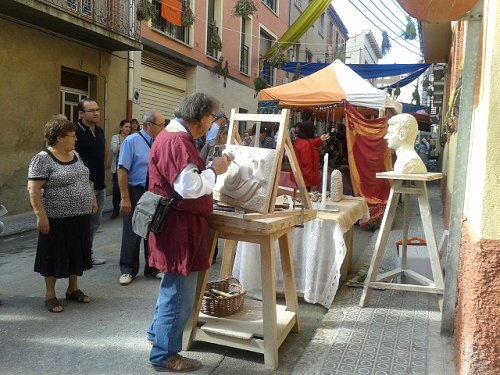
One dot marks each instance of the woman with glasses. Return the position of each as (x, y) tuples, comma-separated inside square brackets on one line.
[(63, 199)]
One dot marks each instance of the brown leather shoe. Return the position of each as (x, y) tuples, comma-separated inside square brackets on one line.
[(178, 363)]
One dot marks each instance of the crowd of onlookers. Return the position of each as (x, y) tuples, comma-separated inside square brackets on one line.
[(67, 191)]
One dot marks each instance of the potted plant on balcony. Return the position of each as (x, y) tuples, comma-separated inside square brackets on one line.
[(145, 10), (216, 42), (244, 8), (187, 17)]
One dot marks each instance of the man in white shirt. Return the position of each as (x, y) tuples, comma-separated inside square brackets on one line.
[(219, 120)]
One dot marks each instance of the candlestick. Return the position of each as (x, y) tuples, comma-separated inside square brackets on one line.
[(325, 176)]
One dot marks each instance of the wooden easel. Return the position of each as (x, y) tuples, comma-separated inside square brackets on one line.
[(405, 184), (283, 144), (261, 326)]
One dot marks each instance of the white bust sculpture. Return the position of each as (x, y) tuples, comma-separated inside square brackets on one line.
[(401, 136)]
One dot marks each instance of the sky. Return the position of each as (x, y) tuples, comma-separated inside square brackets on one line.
[(387, 15)]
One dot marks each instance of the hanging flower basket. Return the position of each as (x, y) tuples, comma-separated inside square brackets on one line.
[(218, 70), (187, 17), (410, 33), (260, 83), (216, 42), (244, 8), (278, 58), (145, 10)]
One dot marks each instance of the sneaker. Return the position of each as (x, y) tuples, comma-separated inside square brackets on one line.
[(98, 261), (125, 279)]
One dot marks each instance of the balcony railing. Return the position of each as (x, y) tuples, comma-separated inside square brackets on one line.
[(118, 16), (244, 59), (177, 32)]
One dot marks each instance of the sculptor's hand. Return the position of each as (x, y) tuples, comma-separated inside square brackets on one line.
[(220, 164), (228, 155)]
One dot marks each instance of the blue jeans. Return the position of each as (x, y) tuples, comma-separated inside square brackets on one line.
[(173, 309), (95, 219)]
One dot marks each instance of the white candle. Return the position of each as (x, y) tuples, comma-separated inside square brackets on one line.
[(325, 176)]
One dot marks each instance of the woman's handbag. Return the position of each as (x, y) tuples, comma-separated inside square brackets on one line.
[(151, 213)]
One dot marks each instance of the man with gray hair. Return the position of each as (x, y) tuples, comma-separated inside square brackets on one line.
[(132, 180)]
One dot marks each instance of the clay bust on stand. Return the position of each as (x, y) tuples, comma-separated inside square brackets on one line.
[(401, 136)]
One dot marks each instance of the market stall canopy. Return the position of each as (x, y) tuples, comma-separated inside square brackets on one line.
[(423, 120), (332, 84), (396, 106)]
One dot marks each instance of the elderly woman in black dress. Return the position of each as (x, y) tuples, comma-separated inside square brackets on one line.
[(62, 198)]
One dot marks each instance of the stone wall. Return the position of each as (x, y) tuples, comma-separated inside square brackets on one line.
[(477, 320)]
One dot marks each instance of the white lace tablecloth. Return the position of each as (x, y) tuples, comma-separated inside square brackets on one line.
[(318, 252)]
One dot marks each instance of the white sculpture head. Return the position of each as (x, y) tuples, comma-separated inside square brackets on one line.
[(402, 129), (401, 134)]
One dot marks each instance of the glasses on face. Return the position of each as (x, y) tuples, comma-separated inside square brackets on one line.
[(92, 110), (155, 124)]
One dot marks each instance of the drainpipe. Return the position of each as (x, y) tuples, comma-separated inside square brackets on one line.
[(105, 104), (130, 84), (472, 46)]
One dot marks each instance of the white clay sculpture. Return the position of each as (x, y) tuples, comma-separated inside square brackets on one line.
[(401, 135)]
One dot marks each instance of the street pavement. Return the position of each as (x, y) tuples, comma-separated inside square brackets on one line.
[(108, 335), (398, 333)]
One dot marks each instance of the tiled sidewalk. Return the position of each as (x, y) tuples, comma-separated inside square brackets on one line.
[(397, 333), (388, 337)]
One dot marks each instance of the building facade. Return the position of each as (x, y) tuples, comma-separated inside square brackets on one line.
[(324, 41), (55, 52), (219, 53), (470, 189), (363, 49)]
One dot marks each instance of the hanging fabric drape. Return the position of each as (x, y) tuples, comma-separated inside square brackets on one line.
[(368, 154), (300, 26), (171, 10), (366, 71)]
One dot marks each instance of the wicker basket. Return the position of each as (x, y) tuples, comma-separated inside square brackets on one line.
[(215, 304)]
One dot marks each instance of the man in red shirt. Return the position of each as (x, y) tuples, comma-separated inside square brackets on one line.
[(181, 250)]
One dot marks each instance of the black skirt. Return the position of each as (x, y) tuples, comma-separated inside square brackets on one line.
[(65, 250)]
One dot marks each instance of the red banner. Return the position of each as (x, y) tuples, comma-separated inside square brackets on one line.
[(171, 10), (368, 154)]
